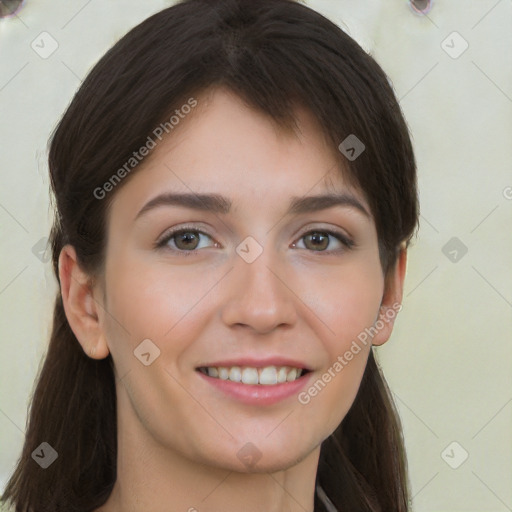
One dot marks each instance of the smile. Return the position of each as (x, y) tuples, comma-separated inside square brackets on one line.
[(261, 385), (267, 376)]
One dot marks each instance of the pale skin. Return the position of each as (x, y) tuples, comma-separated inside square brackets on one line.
[(178, 437)]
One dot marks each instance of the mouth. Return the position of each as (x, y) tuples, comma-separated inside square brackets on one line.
[(271, 375), (256, 386)]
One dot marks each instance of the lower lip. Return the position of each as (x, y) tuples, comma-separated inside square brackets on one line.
[(258, 394)]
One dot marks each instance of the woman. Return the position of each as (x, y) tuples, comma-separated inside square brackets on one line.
[(236, 373)]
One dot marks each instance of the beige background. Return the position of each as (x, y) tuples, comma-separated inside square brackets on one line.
[(449, 359)]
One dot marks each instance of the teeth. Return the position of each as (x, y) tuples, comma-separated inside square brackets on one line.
[(235, 374), (281, 374), (213, 372), (250, 376), (268, 376), (292, 375)]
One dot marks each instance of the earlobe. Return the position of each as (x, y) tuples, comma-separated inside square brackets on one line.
[(81, 308), (391, 302)]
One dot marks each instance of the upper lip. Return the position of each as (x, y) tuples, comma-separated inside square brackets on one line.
[(258, 363)]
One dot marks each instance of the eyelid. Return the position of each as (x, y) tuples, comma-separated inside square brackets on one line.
[(344, 239), (168, 234)]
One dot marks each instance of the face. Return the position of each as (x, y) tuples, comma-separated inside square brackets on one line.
[(250, 286)]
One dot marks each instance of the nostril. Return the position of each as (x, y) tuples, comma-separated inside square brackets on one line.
[(421, 6)]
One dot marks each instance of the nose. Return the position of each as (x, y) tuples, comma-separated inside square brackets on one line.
[(260, 295)]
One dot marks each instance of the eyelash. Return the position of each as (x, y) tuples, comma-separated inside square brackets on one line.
[(162, 244)]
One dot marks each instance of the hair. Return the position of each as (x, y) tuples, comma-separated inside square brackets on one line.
[(275, 55)]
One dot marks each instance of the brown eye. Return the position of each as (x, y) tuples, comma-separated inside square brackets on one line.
[(318, 240), (186, 240)]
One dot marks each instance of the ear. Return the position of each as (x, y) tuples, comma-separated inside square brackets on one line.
[(391, 302), (80, 305)]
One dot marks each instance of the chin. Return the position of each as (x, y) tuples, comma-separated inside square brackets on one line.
[(250, 459)]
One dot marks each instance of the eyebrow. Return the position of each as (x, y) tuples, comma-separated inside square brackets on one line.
[(220, 204)]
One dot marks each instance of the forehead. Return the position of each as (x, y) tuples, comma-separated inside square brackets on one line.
[(225, 147)]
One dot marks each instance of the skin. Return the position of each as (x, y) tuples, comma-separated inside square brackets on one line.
[(178, 436)]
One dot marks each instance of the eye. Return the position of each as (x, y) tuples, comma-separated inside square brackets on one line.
[(185, 240), (318, 240)]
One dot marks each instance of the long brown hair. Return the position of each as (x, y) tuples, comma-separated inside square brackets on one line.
[(275, 54)]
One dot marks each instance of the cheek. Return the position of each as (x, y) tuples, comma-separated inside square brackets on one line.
[(331, 395), (151, 298), (346, 302), (333, 389), (167, 304), (345, 299)]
